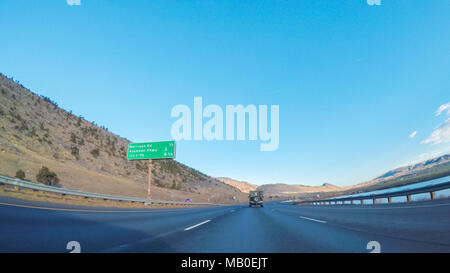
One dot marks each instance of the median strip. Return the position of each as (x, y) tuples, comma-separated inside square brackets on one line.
[(194, 226), (315, 220)]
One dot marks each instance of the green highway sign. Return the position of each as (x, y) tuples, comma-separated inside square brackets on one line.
[(151, 150)]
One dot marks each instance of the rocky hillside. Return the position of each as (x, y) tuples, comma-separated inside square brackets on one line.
[(425, 170), (407, 170), (243, 186), (35, 132), (279, 190)]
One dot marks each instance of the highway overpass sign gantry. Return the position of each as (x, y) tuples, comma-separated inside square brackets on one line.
[(149, 151)]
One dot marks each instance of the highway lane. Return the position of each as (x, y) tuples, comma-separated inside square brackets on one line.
[(278, 227), (33, 229)]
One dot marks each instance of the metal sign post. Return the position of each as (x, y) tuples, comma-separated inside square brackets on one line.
[(150, 151), (149, 179)]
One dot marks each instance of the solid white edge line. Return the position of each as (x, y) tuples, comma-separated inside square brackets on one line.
[(315, 220), (199, 224)]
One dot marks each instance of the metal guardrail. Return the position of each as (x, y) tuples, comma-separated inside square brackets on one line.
[(41, 187), (425, 189)]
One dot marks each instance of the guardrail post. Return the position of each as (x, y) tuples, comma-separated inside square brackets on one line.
[(389, 199), (432, 195), (408, 198)]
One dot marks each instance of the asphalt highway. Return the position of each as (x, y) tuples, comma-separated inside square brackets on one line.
[(27, 226)]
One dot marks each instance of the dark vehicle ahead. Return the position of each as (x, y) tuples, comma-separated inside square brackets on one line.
[(256, 198)]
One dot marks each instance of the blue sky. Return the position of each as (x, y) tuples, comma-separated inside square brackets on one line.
[(353, 81)]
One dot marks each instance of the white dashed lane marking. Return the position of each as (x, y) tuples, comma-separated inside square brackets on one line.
[(315, 220), (199, 224)]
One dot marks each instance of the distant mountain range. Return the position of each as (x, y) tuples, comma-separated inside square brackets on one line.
[(243, 186), (441, 160), (428, 169), (279, 189)]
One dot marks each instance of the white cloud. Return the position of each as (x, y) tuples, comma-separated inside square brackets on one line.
[(73, 2), (443, 108), (373, 2), (441, 134)]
